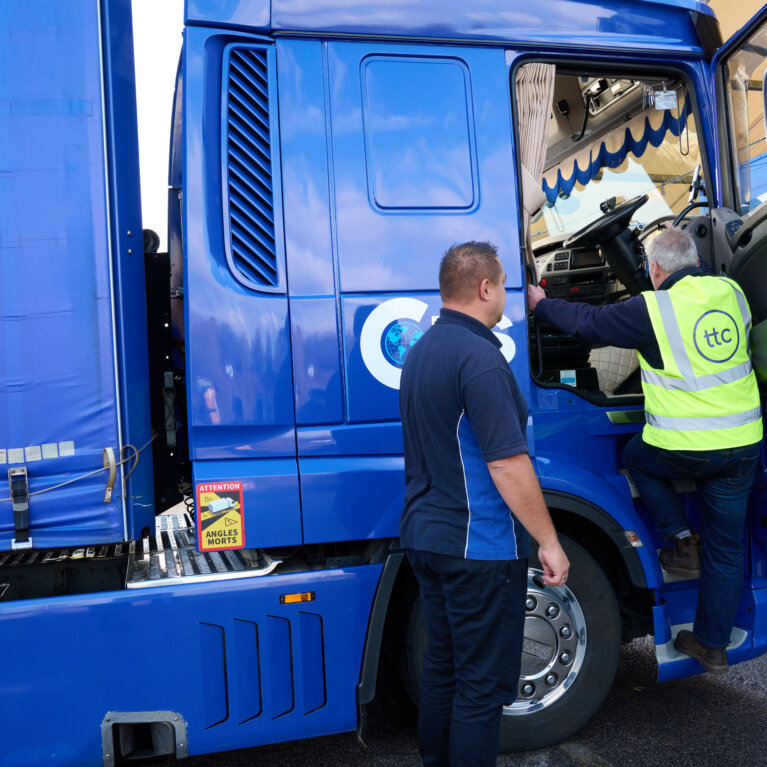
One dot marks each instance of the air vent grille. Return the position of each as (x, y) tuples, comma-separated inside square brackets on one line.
[(249, 170)]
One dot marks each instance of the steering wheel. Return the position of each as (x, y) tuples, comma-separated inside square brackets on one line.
[(609, 226), (617, 243)]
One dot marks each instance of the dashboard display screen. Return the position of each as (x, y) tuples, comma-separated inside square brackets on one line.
[(581, 259)]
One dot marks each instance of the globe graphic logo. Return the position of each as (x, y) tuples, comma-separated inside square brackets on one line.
[(398, 338)]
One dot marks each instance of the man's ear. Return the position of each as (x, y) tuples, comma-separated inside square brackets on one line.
[(484, 289)]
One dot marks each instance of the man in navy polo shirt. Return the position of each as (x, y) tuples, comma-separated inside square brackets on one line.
[(471, 502)]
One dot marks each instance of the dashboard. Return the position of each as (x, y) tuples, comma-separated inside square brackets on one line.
[(580, 274)]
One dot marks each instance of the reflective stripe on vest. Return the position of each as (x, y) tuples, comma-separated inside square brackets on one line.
[(699, 424), (698, 383), (712, 387)]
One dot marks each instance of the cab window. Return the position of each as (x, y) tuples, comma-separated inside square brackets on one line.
[(745, 93), (621, 155)]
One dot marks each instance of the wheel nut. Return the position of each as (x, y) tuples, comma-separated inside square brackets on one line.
[(552, 611), (528, 689), (565, 657), (551, 679), (565, 631), (531, 603)]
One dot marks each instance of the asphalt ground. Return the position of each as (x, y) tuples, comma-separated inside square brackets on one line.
[(701, 721)]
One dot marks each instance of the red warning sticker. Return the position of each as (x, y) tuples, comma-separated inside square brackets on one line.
[(219, 516)]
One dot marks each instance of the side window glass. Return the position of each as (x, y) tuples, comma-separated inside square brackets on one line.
[(746, 97)]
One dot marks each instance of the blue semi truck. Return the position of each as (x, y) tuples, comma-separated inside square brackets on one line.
[(322, 157)]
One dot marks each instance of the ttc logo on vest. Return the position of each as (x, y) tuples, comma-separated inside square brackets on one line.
[(716, 336)]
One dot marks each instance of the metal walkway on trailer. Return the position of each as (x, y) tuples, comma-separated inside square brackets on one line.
[(171, 556)]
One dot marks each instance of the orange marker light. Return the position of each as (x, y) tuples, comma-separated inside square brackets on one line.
[(303, 596)]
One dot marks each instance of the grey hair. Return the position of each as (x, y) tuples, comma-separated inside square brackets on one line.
[(673, 249)]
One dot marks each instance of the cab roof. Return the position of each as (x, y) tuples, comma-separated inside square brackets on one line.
[(655, 25)]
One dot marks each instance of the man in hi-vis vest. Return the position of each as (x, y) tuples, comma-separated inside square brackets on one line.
[(703, 420)]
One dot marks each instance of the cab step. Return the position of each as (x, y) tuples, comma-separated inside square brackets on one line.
[(673, 664), (170, 556)]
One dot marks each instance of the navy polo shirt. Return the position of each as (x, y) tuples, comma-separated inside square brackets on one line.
[(461, 407)]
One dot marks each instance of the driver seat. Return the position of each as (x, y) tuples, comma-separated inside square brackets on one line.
[(613, 365)]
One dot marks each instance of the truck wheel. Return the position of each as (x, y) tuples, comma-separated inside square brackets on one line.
[(569, 657)]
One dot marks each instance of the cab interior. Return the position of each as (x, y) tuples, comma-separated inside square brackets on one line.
[(621, 161)]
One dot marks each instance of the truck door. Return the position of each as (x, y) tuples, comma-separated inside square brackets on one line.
[(739, 70), (414, 144)]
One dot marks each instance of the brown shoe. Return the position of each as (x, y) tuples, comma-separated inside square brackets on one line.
[(684, 558), (713, 659)]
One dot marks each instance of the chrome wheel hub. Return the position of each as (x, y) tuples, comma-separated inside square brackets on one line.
[(553, 647)]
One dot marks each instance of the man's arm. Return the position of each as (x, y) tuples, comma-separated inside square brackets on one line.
[(625, 324), (518, 485)]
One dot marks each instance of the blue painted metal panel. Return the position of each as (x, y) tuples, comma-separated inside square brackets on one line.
[(245, 14), (72, 642), (239, 383), (661, 624), (128, 250), (278, 674), (351, 439), (58, 408), (316, 360), (346, 499), (304, 152), (270, 499), (308, 243), (245, 685), (578, 452), (419, 133), (215, 694), (399, 249), (310, 665), (643, 24), (758, 528), (759, 610), (632, 23)]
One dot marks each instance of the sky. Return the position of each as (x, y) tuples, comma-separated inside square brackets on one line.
[(157, 27)]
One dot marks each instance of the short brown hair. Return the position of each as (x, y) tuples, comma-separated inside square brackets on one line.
[(464, 266)]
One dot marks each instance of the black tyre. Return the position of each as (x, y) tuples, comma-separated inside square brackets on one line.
[(569, 658)]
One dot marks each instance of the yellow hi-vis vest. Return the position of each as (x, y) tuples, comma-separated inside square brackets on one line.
[(705, 397)]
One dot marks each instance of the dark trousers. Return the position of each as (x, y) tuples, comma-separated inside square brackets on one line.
[(724, 479), (474, 612)]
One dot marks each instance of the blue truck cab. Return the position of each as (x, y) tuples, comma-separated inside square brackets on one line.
[(322, 158)]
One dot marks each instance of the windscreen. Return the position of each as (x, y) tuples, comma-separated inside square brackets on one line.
[(655, 152)]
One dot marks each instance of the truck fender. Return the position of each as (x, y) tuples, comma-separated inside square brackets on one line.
[(366, 689), (574, 505)]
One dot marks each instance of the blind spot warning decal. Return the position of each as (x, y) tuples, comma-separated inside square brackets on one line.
[(219, 516)]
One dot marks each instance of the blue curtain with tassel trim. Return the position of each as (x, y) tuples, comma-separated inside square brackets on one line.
[(604, 158)]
